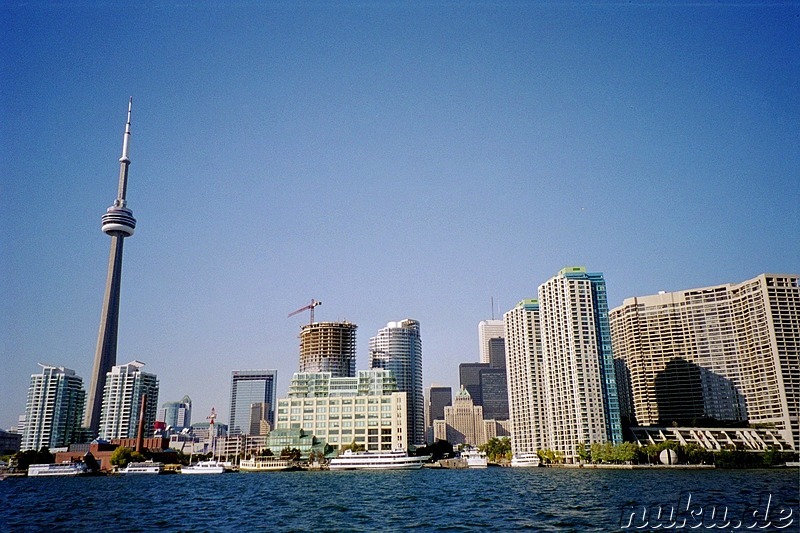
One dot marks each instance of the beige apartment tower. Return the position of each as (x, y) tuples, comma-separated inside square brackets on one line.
[(727, 353), (524, 370), (328, 347)]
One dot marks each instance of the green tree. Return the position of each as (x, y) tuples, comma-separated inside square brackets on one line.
[(548, 456), (122, 456), (290, 453), (438, 450), (497, 449)]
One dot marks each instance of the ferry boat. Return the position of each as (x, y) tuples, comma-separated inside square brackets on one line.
[(265, 464), (60, 469), (475, 459), (144, 467), (394, 460), (204, 467), (525, 460)]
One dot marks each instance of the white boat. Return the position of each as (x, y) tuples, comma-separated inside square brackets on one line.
[(265, 464), (525, 460), (475, 459), (60, 469), (144, 467), (204, 467), (394, 460)]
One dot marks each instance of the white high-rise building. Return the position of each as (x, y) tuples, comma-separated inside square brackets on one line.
[(487, 330), (122, 397), (524, 371), (580, 389), (398, 347), (54, 409)]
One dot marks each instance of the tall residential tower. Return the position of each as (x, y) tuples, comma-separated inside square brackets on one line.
[(580, 388), (398, 347), (525, 380), (711, 355), (118, 223), (122, 400), (54, 409)]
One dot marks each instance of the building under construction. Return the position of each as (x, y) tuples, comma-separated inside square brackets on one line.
[(328, 347)]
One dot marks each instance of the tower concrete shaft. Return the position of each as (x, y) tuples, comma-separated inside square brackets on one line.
[(118, 223)]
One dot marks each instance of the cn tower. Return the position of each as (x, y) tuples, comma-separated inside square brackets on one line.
[(118, 223)]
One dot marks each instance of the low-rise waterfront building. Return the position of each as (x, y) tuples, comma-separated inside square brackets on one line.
[(365, 409), (714, 439), (9, 442)]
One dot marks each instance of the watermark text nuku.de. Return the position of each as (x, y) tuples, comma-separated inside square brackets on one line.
[(691, 513)]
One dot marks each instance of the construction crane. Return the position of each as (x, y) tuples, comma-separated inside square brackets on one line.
[(310, 307)]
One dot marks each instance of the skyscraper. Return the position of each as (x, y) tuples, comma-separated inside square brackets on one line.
[(328, 347), (463, 422), (525, 380), (580, 389), (437, 399), (398, 347), (176, 414), (54, 410), (723, 353), (122, 400), (487, 330), (118, 223), (250, 387), (487, 387)]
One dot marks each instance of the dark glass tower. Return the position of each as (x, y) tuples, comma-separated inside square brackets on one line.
[(118, 223)]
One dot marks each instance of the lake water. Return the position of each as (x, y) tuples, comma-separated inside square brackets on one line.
[(539, 499)]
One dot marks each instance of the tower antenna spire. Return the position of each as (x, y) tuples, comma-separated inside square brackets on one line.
[(124, 161)]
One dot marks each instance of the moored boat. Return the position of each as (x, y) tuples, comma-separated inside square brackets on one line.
[(265, 464), (204, 467), (475, 458), (394, 460), (144, 467), (525, 460), (58, 469)]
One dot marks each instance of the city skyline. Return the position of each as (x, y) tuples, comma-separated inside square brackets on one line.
[(416, 160)]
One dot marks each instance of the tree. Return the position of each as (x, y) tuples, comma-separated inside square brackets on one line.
[(290, 453), (497, 449), (122, 456), (548, 456), (438, 450)]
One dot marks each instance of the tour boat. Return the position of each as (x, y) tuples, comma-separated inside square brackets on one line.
[(60, 469), (144, 467), (475, 459), (525, 460), (265, 464), (394, 460), (204, 467)]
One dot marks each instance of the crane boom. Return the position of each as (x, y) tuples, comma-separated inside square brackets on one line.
[(308, 307)]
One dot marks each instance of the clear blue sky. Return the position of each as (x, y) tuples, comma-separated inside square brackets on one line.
[(393, 160)]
